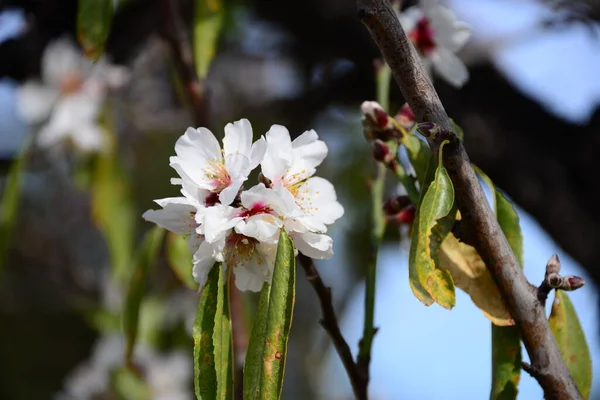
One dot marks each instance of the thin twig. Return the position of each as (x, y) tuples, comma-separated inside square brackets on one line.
[(330, 323), (176, 34), (520, 296)]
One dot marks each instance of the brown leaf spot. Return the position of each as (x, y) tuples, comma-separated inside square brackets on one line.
[(573, 358), (430, 281), (278, 355)]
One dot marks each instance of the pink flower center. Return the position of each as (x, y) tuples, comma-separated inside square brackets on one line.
[(422, 36), (240, 250), (257, 208), (71, 83)]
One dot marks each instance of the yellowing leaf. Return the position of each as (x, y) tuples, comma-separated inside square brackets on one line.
[(431, 225), (207, 26), (571, 341), (470, 274)]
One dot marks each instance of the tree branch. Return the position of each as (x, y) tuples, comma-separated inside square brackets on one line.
[(520, 296), (176, 34), (330, 323)]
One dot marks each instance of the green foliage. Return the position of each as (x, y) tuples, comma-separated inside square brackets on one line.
[(433, 221), (506, 341), (180, 259), (113, 210), (145, 258), (94, 18), (11, 195), (571, 341), (420, 156), (208, 23), (268, 342)]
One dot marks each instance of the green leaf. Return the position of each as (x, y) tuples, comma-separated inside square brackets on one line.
[(506, 341), (94, 18), (571, 341), (420, 157), (427, 282), (205, 374), (254, 355), (223, 339), (458, 130), (10, 199), (267, 367), (180, 259), (145, 258), (207, 26), (113, 210)]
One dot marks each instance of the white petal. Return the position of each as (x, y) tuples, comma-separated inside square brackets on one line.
[(238, 137), (62, 58), (262, 227), (90, 138), (176, 215), (34, 101), (410, 17), (236, 165), (249, 277), (278, 157), (194, 150), (450, 67), (218, 220), (228, 194), (449, 33), (308, 153), (318, 200), (313, 245), (194, 242), (203, 262), (257, 153)]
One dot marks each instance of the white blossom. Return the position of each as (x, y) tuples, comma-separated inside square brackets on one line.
[(437, 36), (69, 97), (293, 163)]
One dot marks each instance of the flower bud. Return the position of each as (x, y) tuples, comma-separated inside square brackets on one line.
[(428, 129), (553, 265), (407, 216), (381, 151), (572, 282), (395, 204), (375, 114), (405, 117)]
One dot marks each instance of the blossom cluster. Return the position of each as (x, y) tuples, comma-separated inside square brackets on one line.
[(238, 227), (68, 98)]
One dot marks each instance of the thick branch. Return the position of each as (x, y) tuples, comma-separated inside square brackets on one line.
[(519, 295), (330, 323)]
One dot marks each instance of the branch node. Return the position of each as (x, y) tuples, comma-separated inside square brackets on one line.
[(553, 280)]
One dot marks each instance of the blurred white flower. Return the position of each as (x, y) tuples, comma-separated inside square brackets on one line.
[(71, 92), (167, 375), (437, 36), (241, 229)]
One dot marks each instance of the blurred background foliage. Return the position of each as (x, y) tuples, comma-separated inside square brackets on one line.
[(306, 64)]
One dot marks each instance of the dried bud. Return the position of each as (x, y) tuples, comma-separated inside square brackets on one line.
[(428, 129), (553, 265), (382, 152), (572, 282), (263, 179), (407, 216), (395, 204), (405, 117)]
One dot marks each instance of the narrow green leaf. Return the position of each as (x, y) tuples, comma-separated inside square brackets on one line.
[(571, 341), (253, 364), (94, 18), (427, 282), (113, 210), (267, 368), (145, 258), (180, 259), (506, 341), (10, 199), (205, 374), (223, 339), (458, 130), (207, 26)]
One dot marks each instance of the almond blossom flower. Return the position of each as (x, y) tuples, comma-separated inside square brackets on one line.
[(293, 163), (201, 161), (71, 92), (438, 35)]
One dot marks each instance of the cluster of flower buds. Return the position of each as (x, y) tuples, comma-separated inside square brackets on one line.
[(399, 210), (377, 123)]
